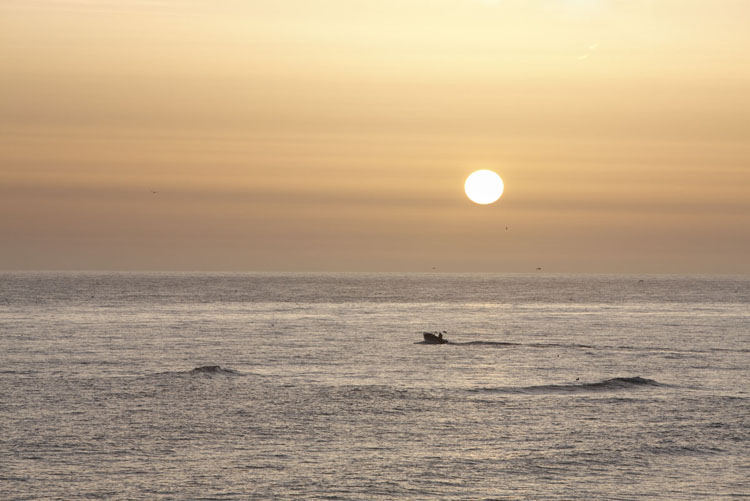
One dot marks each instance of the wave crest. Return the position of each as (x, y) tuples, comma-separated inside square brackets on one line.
[(617, 383), (213, 370)]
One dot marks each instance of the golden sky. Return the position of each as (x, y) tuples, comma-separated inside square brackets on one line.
[(337, 134)]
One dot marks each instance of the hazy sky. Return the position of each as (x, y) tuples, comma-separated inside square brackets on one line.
[(337, 134)]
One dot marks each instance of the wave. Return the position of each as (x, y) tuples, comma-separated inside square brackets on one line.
[(669, 352), (485, 343), (212, 370), (624, 382), (682, 450), (559, 345), (613, 384), (472, 343), (9, 371), (203, 371)]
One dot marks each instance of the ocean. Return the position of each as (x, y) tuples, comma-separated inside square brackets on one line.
[(318, 386)]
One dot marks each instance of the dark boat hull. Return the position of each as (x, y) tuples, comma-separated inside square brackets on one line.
[(431, 338)]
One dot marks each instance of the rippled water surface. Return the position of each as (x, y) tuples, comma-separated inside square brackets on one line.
[(305, 386)]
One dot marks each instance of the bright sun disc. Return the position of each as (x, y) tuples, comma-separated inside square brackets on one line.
[(483, 187)]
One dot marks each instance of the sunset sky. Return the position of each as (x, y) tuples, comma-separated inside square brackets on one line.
[(337, 135)]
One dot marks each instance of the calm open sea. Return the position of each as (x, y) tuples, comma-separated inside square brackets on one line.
[(555, 386)]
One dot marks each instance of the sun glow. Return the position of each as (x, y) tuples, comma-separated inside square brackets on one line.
[(484, 187)]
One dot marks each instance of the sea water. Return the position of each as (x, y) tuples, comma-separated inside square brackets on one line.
[(317, 386)]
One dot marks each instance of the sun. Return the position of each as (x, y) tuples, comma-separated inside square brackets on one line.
[(483, 187)]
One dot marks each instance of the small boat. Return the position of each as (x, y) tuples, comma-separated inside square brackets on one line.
[(434, 338)]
